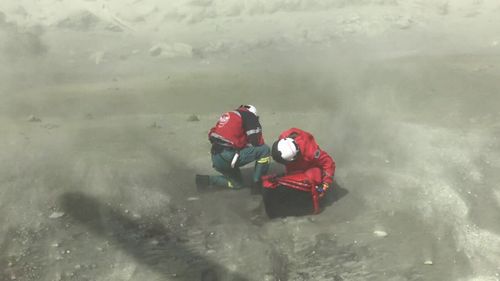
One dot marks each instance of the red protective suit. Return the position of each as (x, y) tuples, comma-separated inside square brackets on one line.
[(311, 168), (310, 159)]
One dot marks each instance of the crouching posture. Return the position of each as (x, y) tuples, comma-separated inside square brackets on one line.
[(236, 140), (308, 175)]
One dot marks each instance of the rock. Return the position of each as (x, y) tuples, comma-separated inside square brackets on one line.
[(56, 215), (193, 118), (155, 125), (86, 21), (428, 262), (175, 50), (193, 198), (380, 233), (404, 23), (155, 51), (269, 277), (50, 126), (33, 118)]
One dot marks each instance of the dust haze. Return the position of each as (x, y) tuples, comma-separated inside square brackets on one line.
[(105, 107)]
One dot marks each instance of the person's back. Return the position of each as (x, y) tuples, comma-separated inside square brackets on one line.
[(236, 140)]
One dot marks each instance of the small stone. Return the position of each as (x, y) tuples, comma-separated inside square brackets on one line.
[(380, 233), (56, 215), (33, 118), (155, 51), (193, 198), (269, 277), (9, 264), (155, 125), (55, 245), (78, 266), (127, 211), (428, 262), (193, 118), (68, 251)]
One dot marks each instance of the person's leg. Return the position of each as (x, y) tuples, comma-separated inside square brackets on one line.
[(314, 175), (231, 177), (262, 157)]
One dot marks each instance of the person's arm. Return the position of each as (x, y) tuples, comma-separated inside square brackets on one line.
[(327, 165), (252, 128)]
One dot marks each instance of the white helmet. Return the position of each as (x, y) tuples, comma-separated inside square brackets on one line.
[(250, 108), (285, 150)]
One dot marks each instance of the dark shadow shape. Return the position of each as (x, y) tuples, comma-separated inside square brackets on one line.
[(285, 202), (134, 236)]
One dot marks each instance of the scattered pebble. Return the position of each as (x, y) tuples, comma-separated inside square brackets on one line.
[(155, 125), (55, 245), (33, 118), (193, 198), (127, 211), (380, 233), (428, 262), (56, 215), (78, 266), (68, 251), (50, 126), (9, 264), (193, 118)]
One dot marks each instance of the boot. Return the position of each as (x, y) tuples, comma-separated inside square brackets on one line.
[(202, 182)]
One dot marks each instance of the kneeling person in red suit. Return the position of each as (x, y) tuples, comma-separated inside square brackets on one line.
[(308, 175)]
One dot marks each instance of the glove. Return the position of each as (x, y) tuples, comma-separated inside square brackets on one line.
[(322, 188)]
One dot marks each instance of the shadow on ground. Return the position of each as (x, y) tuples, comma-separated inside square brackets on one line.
[(170, 254)]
